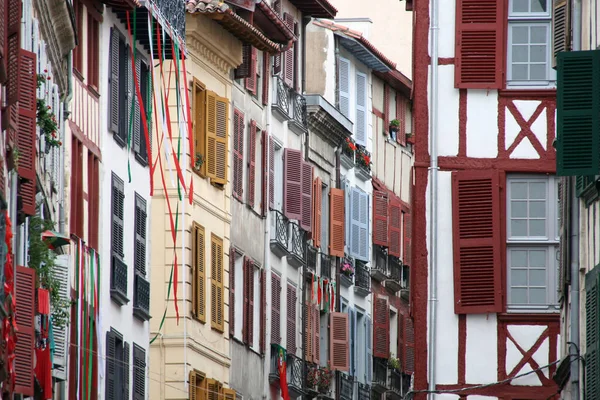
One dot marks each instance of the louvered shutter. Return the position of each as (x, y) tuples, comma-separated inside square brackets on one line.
[(199, 273), (339, 341), (317, 205), (479, 28), (344, 86), (561, 27), (113, 100), (292, 189), (263, 311), (3, 36), (359, 217), (400, 345), (217, 121), (351, 343), (360, 135), (232, 291), (271, 172), (250, 313), (147, 94), (578, 107), (118, 200), (307, 195), (13, 46), (336, 222), (126, 371), (137, 132), (266, 78), (401, 105), (216, 283), (407, 255), (381, 327), (369, 371), (238, 153), (246, 300), (291, 320), (251, 81), (409, 343), (27, 136), (229, 394), (592, 335), (308, 332), (317, 335), (288, 56), (477, 242), (25, 295), (61, 273), (264, 142), (395, 228), (140, 235), (213, 389), (193, 383), (275, 308), (386, 106), (252, 163), (380, 218), (243, 71), (110, 366), (139, 373)]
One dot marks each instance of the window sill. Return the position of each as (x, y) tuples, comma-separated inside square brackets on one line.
[(94, 91), (533, 310), (590, 194), (78, 75), (120, 141), (528, 92), (141, 159)]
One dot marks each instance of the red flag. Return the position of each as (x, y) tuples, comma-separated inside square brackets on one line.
[(283, 374)]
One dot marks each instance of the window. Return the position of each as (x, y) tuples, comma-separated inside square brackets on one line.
[(93, 54), (199, 127), (117, 367), (198, 273), (203, 388), (252, 138), (217, 301), (324, 218), (533, 239), (278, 176), (76, 218), (393, 332), (251, 302), (139, 372)]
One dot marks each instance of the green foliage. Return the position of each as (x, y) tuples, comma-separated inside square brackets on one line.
[(42, 259)]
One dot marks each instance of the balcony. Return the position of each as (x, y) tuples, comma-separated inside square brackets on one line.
[(380, 375), (394, 283), (379, 270), (312, 255), (298, 122), (274, 368), (279, 234), (347, 279), (118, 281), (326, 264), (141, 298), (297, 245), (362, 279), (281, 99), (364, 392), (294, 375), (395, 384), (346, 387)]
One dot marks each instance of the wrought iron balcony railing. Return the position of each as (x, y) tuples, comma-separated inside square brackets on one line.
[(297, 245), (364, 392), (395, 280), (118, 281), (346, 387), (299, 111), (141, 298), (294, 375), (380, 374), (396, 381), (326, 262), (312, 255), (279, 233), (362, 279), (379, 270), (281, 98)]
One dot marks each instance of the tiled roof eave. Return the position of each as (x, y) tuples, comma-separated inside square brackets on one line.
[(366, 54)]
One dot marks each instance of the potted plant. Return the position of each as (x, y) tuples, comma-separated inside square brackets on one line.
[(312, 376), (394, 126), (348, 151), (394, 363), (347, 269), (48, 124), (325, 376), (199, 160)]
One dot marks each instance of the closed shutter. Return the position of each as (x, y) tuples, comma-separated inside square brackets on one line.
[(395, 228), (292, 189), (291, 320), (401, 105), (271, 172), (147, 98), (246, 300), (578, 131), (369, 371), (229, 394), (317, 205), (264, 174), (307, 186), (243, 71), (232, 291), (217, 122), (110, 389), (61, 272), (352, 342), (344, 86), (386, 106), (216, 283), (308, 332), (400, 342), (289, 55), (118, 204), (26, 139), (126, 371), (251, 81), (360, 135), (380, 218), (275, 309), (252, 163), (407, 239), (199, 273), (238, 153), (25, 295), (316, 335), (359, 226), (336, 222), (381, 327), (592, 335), (479, 28), (476, 231), (248, 327), (13, 46), (263, 311), (213, 390), (339, 346), (409, 342), (561, 27), (140, 235), (137, 132), (266, 77), (139, 373)]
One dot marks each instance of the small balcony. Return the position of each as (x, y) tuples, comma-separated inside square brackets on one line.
[(394, 283), (118, 281), (298, 122), (395, 384), (346, 387), (379, 270), (362, 279), (380, 375), (347, 278), (294, 375), (281, 99), (296, 245), (279, 234), (274, 364), (364, 392), (312, 255), (141, 298), (326, 267)]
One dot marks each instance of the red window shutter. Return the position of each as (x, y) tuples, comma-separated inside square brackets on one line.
[(26, 139), (13, 47), (264, 167), (275, 309), (339, 349), (288, 56), (250, 302), (407, 256), (292, 188), (25, 295), (271, 172), (409, 345), (386, 107), (251, 79), (243, 71), (238, 153), (246, 301), (381, 328), (231, 291), (295, 59), (477, 242), (479, 59), (380, 218), (400, 343), (401, 104), (307, 186), (308, 333), (266, 78), (336, 222), (395, 228), (317, 206), (251, 163), (317, 335), (263, 311), (3, 18), (291, 319)]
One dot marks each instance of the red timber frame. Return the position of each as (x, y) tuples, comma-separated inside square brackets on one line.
[(503, 164)]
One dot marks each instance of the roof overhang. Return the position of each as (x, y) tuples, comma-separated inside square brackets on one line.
[(365, 55), (326, 121), (396, 80), (315, 8), (271, 24)]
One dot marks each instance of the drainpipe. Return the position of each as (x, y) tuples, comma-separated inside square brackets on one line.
[(433, 198), (61, 199)]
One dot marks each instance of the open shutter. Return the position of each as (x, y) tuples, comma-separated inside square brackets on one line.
[(271, 172), (228, 394), (266, 78), (291, 320), (307, 195), (561, 27), (359, 232), (216, 283), (344, 86), (339, 342), (476, 231), (25, 295), (238, 153), (401, 105), (13, 46), (250, 312), (110, 366), (381, 327), (113, 100), (199, 273), (352, 342), (251, 82), (316, 335), (232, 291), (380, 218), (292, 189), (137, 133), (252, 163), (246, 301), (308, 332), (126, 371), (217, 121), (395, 228), (243, 71), (479, 29), (275, 308), (592, 335), (264, 142), (409, 345), (193, 383), (578, 107), (400, 342), (288, 56), (369, 366), (139, 373), (407, 255), (316, 217), (27, 136), (61, 272), (263, 311), (140, 236), (336, 222), (360, 135)]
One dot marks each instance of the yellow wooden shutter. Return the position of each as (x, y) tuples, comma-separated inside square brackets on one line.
[(199, 273), (216, 283), (199, 124), (229, 394), (217, 137), (213, 389), (192, 387)]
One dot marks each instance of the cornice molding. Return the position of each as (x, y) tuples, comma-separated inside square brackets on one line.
[(205, 51)]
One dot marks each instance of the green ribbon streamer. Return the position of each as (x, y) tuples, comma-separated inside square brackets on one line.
[(92, 324), (178, 111), (132, 97), (162, 321)]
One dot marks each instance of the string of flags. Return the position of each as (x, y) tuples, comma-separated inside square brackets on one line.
[(323, 294)]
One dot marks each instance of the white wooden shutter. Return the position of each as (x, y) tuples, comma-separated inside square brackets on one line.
[(344, 86), (26, 21), (359, 224), (61, 272), (360, 134), (369, 371)]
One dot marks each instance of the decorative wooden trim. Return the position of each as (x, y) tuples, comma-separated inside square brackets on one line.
[(529, 319), (524, 94), (462, 123), (379, 114), (462, 348), (450, 163), (91, 146), (506, 391)]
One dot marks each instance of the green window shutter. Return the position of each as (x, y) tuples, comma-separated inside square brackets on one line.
[(592, 332), (578, 112)]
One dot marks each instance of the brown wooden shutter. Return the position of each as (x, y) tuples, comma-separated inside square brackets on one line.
[(243, 71), (217, 122), (337, 217), (407, 256), (271, 172), (400, 342), (13, 46), (228, 394), (479, 60), (561, 28), (3, 20), (477, 242), (409, 345), (308, 332), (27, 136), (401, 106), (263, 311), (193, 382), (199, 273), (288, 56), (252, 163), (292, 184), (339, 349), (381, 327), (238, 153), (25, 294), (306, 199), (250, 334), (212, 390), (246, 300), (265, 176), (266, 77), (395, 228), (291, 319), (380, 218), (317, 206), (251, 81), (317, 335), (231, 291), (386, 106), (216, 283), (275, 308)]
